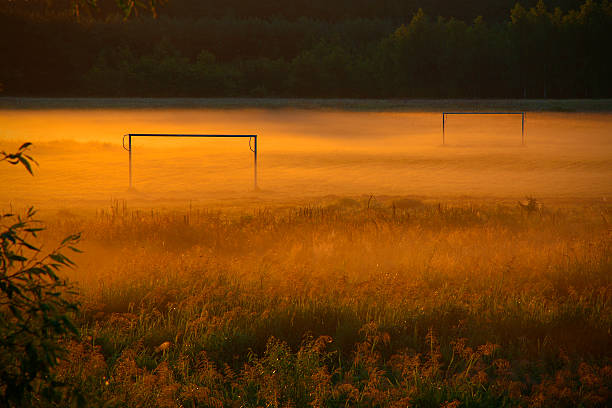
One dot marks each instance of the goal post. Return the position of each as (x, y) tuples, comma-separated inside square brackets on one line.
[(444, 114), (253, 148)]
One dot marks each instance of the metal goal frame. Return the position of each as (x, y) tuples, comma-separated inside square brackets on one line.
[(253, 148), (523, 114)]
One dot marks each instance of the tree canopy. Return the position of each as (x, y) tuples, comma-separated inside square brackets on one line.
[(294, 49)]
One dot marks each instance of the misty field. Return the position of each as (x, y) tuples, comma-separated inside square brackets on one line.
[(374, 268), (305, 153)]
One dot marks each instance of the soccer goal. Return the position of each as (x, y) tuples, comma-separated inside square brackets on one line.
[(252, 147), (445, 114)]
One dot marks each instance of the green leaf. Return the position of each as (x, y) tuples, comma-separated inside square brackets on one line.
[(27, 245), (26, 164), (58, 258), (74, 237), (30, 158), (34, 229), (15, 257)]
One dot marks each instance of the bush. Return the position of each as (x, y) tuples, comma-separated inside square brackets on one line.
[(35, 305)]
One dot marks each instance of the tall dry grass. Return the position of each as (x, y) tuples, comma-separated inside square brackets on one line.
[(347, 302)]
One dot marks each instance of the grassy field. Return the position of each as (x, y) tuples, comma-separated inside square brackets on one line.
[(362, 301), (435, 288)]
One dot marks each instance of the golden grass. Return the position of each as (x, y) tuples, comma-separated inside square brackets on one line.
[(346, 302)]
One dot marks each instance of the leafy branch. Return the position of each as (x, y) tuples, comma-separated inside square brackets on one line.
[(20, 156), (35, 304)]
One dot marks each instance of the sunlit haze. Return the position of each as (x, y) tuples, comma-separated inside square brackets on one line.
[(305, 153)]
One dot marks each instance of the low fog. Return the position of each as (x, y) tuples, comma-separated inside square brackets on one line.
[(303, 153)]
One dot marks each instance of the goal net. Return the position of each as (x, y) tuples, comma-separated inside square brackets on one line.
[(483, 128)]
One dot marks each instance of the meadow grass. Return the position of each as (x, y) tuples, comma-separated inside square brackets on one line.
[(364, 302)]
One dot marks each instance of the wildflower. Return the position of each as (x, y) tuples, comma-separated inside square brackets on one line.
[(162, 348)]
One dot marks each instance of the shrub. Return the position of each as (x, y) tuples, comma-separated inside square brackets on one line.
[(35, 305)]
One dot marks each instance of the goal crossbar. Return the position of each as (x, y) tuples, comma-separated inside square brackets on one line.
[(253, 148), (444, 114)]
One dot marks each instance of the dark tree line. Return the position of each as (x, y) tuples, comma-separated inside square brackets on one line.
[(237, 49), (329, 10)]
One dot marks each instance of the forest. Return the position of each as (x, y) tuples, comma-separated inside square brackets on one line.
[(363, 49)]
